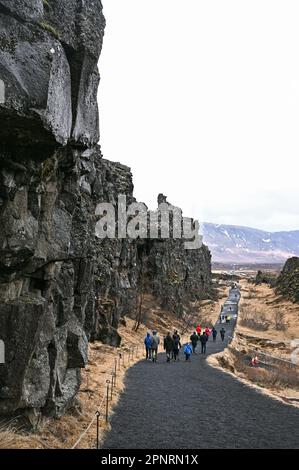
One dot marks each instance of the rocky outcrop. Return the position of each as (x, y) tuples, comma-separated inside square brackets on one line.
[(49, 185), (288, 281), (48, 63), (60, 285)]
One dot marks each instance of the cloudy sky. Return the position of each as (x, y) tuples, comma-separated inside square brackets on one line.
[(201, 99)]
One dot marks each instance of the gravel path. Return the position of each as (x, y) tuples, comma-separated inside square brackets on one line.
[(193, 406)]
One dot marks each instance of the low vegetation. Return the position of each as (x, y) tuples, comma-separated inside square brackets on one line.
[(275, 376), (254, 320), (51, 29), (266, 278), (288, 281)]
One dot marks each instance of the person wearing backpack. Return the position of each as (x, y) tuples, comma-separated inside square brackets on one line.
[(168, 346), (203, 339), (148, 346), (194, 341), (176, 346), (188, 351), (154, 346)]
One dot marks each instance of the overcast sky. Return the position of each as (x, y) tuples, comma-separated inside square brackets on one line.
[(201, 99)]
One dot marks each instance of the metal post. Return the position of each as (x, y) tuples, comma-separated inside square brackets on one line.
[(115, 372), (107, 400), (98, 425), (111, 388)]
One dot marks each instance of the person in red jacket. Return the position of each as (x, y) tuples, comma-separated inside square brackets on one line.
[(198, 330), (207, 332)]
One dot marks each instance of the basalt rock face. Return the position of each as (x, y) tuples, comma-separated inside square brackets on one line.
[(177, 276), (288, 281), (48, 63), (61, 285), (174, 274), (49, 187)]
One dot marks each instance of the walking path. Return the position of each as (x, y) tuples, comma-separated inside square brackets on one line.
[(194, 406)]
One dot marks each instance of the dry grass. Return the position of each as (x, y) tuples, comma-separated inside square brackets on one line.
[(268, 323), (254, 320), (276, 377), (282, 316)]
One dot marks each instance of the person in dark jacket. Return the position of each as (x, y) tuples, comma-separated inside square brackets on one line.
[(194, 341), (222, 333), (203, 339), (168, 346), (148, 346), (214, 333), (176, 346)]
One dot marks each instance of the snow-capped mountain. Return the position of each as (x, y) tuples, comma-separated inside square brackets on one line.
[(233, 244)]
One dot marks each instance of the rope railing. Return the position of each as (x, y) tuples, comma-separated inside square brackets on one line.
[(110, 379), (123, 359)]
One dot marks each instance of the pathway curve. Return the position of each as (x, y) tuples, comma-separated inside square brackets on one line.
[(193, 406)]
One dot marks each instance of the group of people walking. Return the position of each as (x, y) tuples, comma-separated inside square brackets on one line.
[(172, 343), (203, 337)]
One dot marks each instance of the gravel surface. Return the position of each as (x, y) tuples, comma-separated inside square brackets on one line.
[(190, 405)]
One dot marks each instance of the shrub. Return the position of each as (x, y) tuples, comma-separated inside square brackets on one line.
[(254, 320), (48, 27)]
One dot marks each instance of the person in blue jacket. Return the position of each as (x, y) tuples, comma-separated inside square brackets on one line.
[(148, 346), (188, 351)]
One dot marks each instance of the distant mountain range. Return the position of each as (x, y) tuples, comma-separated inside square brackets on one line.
[(233, 244)]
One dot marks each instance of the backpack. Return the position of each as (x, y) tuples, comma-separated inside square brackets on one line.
[(148, 341), (155, 342)]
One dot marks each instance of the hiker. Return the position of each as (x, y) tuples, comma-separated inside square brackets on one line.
[(203, 339), (154, 346), (214, 334), (168, 346), (148, 346), (254, 361), (176, 346), (198, 330), (222, 333), (188, 351), (207, 332), (194, 341)]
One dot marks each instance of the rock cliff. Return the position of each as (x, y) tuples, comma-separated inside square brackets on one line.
[(60, 286), (288, 281)]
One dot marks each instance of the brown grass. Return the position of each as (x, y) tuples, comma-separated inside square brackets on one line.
[(267, 322), (254, 320)]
